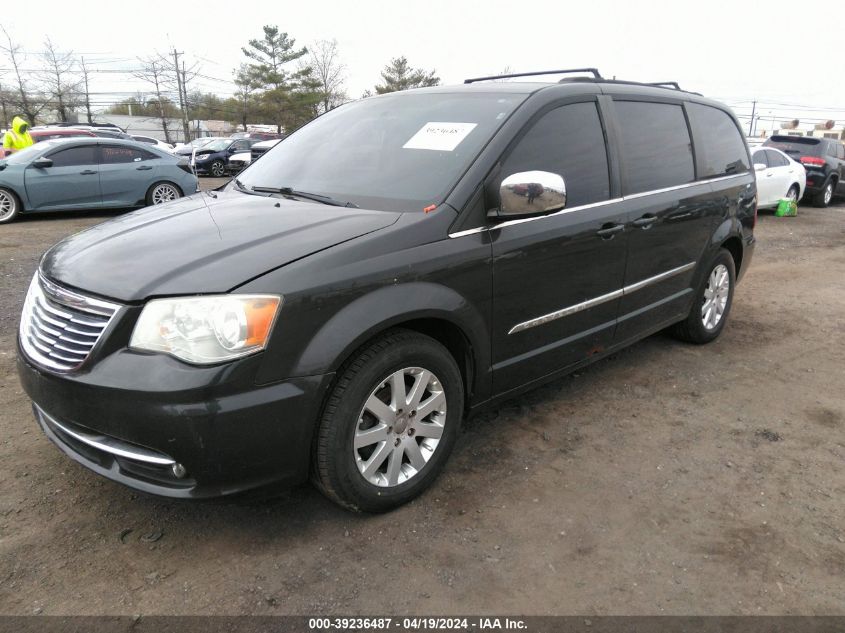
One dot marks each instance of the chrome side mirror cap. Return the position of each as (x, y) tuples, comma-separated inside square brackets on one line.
[(531, 193)]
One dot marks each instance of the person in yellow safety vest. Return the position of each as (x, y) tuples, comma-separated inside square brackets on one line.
[(18, 137)]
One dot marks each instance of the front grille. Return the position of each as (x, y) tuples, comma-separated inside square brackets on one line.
[(255, 152), (60, 327)]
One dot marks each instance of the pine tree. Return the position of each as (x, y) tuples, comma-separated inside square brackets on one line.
[(398, 75)]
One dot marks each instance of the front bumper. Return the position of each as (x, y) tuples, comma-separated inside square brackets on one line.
[(133, 417)]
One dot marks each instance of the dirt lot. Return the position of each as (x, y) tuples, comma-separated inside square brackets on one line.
[(667, 479)]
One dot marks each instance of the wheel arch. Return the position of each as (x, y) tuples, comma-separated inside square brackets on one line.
[(430, 309), (734, 246)]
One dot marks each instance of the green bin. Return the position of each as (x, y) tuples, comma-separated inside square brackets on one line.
[(786, 208)]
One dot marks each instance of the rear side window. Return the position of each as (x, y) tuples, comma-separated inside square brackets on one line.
[(73, 156), (656, 149), (721, 148), (775, 159), (116, 154), (568, 141)]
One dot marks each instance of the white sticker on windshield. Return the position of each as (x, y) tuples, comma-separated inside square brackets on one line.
[(440, 136)]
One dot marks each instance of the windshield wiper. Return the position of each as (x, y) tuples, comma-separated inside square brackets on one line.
[(316, 197), (244, 189)]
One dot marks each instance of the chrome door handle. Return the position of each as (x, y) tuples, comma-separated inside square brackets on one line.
[(645, 221), (609, 230)]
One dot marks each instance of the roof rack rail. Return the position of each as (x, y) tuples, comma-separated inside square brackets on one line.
[(664, 84), (596, 74)]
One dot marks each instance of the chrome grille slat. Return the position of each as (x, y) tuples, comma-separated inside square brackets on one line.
[(60, 327), (41, 337), (64, 348), (43, 326)]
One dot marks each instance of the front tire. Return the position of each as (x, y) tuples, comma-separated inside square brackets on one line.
[(823, 197), (390, 423), (217, 169), (9, 205), (712, 303)]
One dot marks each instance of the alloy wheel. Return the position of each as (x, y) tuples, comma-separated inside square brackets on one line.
[(164, 193), (217, 169), (792, 194), (399, 427), (828, 193), (7, 204), (715, 297)]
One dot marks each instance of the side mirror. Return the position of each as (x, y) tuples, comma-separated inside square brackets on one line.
[(531, 193), (760, 167), (42, 162)]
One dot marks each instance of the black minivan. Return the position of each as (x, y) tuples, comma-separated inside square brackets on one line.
[(392, 267)]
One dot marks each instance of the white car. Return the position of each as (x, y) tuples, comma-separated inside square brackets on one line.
[(149, 140), (238, 162), (242, 160), (778, 176)]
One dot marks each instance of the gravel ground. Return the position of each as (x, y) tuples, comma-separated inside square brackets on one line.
[(666, 479)]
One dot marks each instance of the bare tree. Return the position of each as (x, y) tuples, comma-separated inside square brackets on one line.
[(154, 73), (330, 72), (61, 82), (86, 100), (23, 100), (245, 94)]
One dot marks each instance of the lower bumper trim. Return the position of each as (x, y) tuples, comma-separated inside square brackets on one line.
[(107, 444)]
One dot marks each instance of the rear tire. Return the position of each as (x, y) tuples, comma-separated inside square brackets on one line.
[(161, 192), (389, 424), (793, 193), (823, 197), (712, 304), (10, 205)]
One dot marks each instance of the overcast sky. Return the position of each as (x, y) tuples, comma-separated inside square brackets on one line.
[(733, 51)]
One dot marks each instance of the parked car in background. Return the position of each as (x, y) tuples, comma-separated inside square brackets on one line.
[(407, 260), (778, 177), (259, 149), (90, 173), (239, 162), (46, 133), (212, 159), (186, 149), (52, 133), (259, 136), (822, 158), (149, 140)]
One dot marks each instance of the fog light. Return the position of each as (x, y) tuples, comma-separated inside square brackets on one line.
[(179, 471)]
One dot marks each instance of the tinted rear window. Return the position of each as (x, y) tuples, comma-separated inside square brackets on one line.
[(796, 145), (719, 144), (656, 148)]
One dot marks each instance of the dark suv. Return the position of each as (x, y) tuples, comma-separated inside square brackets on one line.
[(824, 161), (397, 264)]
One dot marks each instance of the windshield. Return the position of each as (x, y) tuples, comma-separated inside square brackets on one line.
[(199, 142), (217, 146), (399, 152)]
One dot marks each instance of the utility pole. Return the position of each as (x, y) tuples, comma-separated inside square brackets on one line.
[(187, 106), (182, 100), (753, 112), (87, 93)]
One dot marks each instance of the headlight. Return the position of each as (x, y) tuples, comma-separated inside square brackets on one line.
[(206, 330)]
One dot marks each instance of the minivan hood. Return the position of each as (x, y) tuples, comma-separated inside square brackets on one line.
[(201, 244)]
